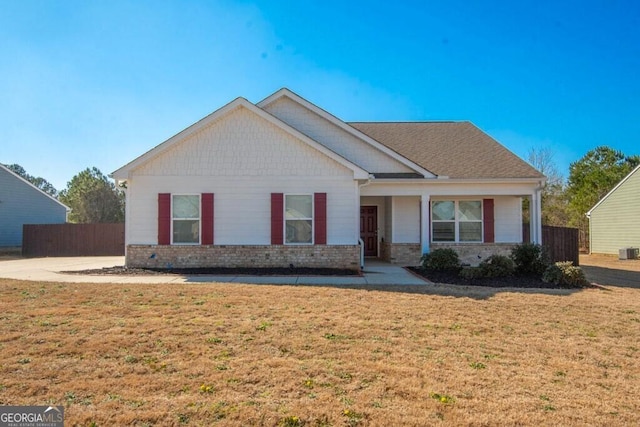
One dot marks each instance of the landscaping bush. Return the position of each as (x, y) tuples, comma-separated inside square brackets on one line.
[(441, 259), (497, 266), (471, 273), (530, 259), (564, 273)]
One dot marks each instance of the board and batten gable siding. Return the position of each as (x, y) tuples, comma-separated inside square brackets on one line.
[(334, 138), (242, 159), (21, 203), (615, 222)]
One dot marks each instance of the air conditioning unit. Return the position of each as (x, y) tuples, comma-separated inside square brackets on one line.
[(628, 253)]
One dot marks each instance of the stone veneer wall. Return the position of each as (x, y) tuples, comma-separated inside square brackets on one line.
[(405, 253), (261, 256), (474, 254)]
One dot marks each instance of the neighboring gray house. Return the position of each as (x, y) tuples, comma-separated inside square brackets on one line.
[(614, 222), (23, 203)]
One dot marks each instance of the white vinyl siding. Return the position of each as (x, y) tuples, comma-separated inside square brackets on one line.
[(242, 159), (336, 139), (242, 144), (507, 213), (406, 219)]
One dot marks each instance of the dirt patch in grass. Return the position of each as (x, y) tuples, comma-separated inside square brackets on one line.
[(232, 354)]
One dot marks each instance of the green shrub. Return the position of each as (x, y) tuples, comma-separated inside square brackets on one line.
[(497, 266), (441, 259), (530, 259), (564, 273), (471, 273)]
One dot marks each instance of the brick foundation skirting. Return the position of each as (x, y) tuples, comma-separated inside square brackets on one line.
[(404, 253), (232, 256)]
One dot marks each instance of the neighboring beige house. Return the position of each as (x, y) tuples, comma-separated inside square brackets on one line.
[(614, 222), (284, 182)]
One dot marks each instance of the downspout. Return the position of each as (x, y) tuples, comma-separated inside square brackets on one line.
[(360, 241)]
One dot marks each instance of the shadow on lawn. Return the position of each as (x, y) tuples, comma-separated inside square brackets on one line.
[(463, 291), (612, 276), (438, 289)]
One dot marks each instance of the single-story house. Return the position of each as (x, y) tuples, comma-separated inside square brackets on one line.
[(23, 203), (284, 182), (614, 222)]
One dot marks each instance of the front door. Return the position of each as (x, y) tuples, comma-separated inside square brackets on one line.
[(369, 229)]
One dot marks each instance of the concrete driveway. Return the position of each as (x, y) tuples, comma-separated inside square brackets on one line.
[(48, 270)]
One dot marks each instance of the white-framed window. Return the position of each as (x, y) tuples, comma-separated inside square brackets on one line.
[(456, 221), (185, 219), (298, 219)]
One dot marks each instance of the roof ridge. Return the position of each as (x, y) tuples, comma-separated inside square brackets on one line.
[(410, 121)]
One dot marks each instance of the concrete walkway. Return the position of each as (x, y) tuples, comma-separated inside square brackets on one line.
[(48, 270)]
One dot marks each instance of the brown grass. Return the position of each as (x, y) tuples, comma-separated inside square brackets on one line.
[(610, 261), (230, 354)]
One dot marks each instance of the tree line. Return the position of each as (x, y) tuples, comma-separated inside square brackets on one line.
[(565, 203), (92, 196)]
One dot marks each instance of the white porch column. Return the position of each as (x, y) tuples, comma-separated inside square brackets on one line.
[(424, 223), (538, 195), (535, 217)]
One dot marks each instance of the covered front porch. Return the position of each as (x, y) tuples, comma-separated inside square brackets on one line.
[(476, 221)]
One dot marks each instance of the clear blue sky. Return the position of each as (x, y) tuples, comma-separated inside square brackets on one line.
[(97, 83)]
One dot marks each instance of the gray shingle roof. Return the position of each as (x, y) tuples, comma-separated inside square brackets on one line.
[(453, 149)]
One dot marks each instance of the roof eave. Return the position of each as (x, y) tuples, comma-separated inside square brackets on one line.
[(36, 188), (606, 196), (124, 172), (446, 180)]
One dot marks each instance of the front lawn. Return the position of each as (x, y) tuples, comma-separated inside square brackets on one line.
[(232, 354)]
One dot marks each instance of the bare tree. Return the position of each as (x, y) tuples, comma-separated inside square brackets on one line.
[(554, 200), (542, 160)]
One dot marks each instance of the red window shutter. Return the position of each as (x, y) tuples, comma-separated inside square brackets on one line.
[(277, 218), (207, 218), (320, 218), (164, 219), (489, 221)]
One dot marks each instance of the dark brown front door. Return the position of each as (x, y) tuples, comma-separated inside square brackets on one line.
[(369, 229)]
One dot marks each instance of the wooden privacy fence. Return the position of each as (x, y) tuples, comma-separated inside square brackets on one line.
[(562, 242), (41, 240)]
